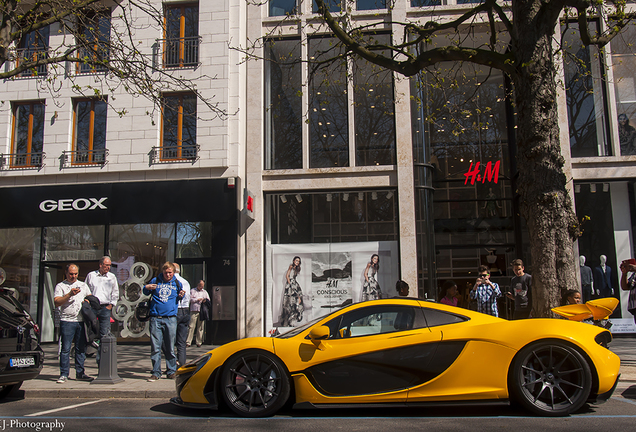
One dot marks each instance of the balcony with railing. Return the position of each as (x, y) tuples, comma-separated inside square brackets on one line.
[(27, 55), (186, 153), (180, 52), (22, 160), (84, 158), (91, 55)]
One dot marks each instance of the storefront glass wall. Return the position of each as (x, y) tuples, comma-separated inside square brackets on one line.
[(624, 70), (319, 246), (19, 261), (194, 239), (76, 243)]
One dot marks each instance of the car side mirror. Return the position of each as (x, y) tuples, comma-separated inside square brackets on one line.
[(319, 333)]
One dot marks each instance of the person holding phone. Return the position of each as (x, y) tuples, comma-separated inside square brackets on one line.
[(486, 293)]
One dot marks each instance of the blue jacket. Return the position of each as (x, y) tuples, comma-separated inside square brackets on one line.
[(165, 299)]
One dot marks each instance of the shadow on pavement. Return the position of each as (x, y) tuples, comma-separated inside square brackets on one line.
[(629, 393)]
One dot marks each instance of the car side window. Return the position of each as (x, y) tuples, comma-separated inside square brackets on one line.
[(436, 318), (375, 320)]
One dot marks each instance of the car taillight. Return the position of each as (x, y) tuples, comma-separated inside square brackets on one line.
[(36, 329), (604, 338)]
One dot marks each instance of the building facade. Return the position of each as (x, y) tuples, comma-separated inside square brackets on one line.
[(350, 187)]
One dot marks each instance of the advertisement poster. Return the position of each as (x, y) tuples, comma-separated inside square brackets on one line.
[(310, 280)]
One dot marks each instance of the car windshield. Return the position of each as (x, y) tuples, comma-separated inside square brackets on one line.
[(297, 330)]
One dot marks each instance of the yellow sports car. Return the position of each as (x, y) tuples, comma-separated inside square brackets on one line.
[(407, 352)]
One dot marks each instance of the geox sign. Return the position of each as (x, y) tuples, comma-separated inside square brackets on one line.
[(73, 204)]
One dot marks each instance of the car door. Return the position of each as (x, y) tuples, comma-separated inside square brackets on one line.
[(373, 353)]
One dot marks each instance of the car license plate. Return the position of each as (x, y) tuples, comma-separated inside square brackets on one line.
[(21, 362)]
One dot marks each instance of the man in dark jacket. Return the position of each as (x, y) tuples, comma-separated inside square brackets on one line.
[(166, 293)]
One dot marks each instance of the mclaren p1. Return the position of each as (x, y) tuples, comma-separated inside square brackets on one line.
[(403, 352)]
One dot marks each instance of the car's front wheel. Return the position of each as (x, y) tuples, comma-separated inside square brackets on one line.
[(550, 379), (6, 390), (255, 383)]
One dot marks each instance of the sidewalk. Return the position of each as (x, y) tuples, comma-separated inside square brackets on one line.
[(134, 367)]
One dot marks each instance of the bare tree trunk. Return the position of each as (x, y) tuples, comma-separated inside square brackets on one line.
[(545, 202)]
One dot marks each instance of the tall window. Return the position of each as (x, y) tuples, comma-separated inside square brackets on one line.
[(586, 120), (94, 40), (33, 47), (28, 134), (179, 126), (181, 44), (89, 126), (624, 68), (284, 105)]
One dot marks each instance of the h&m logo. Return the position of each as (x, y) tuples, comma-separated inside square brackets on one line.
[(71, 204)]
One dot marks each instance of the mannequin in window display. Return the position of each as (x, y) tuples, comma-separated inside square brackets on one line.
[(603, 279), (371, 288), (492, 207), (626, 135), (293, 307), (587, 280)]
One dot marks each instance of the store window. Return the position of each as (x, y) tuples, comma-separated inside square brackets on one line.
[(181, 43), (28, 134), (624, 69), (194, 239), (94, 40), (327, 250), (89, 131), (282, 7), (284, 104), (584, 95), (152, 244), (19, 261), (179, 126), (464, 189), (73, 243), (33, 46)]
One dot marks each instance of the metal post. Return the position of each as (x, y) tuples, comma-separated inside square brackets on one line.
[(108, 361)]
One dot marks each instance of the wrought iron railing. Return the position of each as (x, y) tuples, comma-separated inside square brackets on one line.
[(84, 157), (22, 160), (26, 55), (98, 54), (180, 52), (186, 153)]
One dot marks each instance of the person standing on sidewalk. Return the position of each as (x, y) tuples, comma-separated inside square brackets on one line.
[(103, 284), (68, 297), (166, 292), (183, 317), (197, 296), (520, 291), (486, 293)]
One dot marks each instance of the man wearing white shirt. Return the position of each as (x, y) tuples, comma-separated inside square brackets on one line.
[(68, 297), (183, 317), (103, 284)]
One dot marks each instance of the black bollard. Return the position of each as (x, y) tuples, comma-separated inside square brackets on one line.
[(108, 361)]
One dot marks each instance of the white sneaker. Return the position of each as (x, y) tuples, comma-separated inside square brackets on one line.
[(62, 379)]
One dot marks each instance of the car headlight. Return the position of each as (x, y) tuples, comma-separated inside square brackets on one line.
[(197, 363), (604, 338)]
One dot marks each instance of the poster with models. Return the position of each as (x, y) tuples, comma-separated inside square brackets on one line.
[(309, 280)]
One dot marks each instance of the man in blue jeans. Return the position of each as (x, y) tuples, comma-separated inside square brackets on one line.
[(166, 292), (68, 297), (103, 285)]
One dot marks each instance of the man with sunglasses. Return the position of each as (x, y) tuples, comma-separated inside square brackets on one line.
[(486, 293)]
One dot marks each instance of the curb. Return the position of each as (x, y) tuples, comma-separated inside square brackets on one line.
[(98, 394)]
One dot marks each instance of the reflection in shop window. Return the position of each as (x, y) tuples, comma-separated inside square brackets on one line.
[(328, 106), (152, 244), (624, 69), (374, 111), (284, 105), (584, 95), (73, 243), (194, 239), (20, 258)]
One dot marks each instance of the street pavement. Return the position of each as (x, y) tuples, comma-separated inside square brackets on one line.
[(134, 367)]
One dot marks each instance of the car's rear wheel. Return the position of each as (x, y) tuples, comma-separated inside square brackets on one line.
[(550, 379), (255, 383), (6, 390)]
